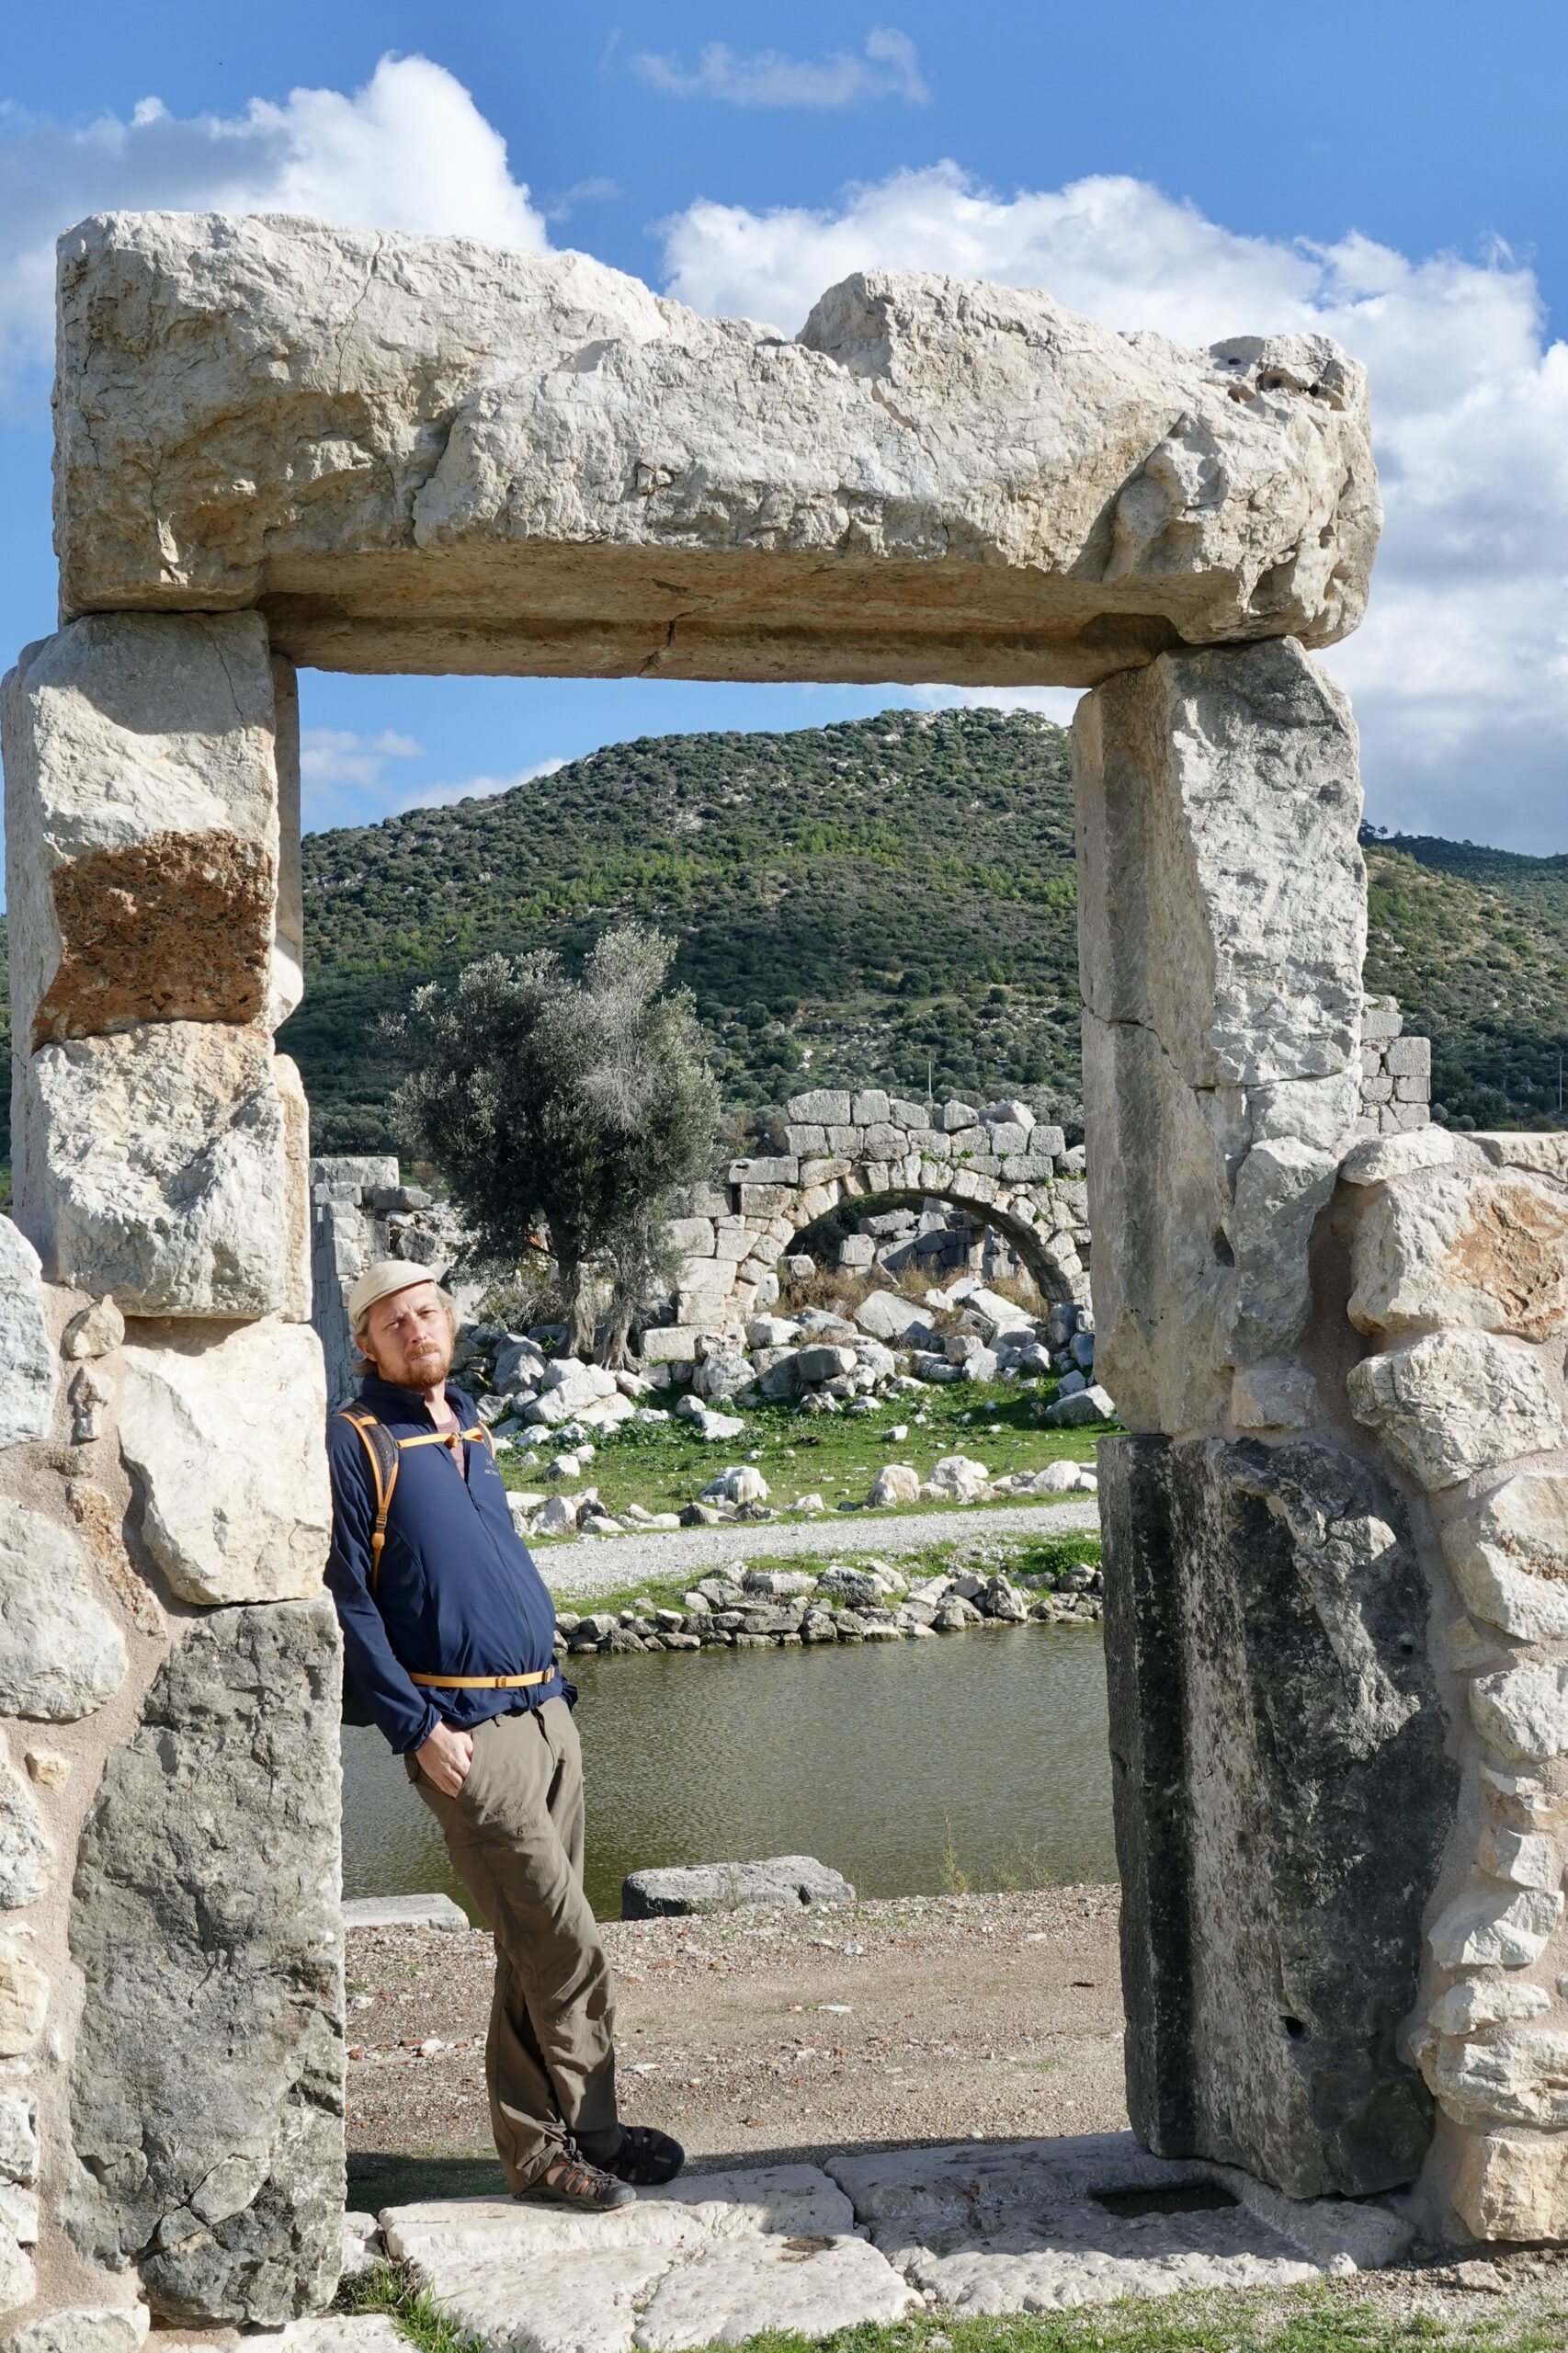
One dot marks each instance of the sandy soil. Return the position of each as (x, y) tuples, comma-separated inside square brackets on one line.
[(760, 2037)]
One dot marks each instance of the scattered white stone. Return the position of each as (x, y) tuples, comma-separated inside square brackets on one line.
[(27, 1853), (225, 1438), (739, 1484), (62, 1654), (896, 1482)]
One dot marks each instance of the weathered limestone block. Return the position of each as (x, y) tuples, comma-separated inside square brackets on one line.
[(1514, 2184), (1381, 1157), (1482, 1251), (27, 1853), (24, 2001), (141, 824), (1482, 2001), (207, 2082), (19, 2141), (1454, 1402), (94, 2328), (1518, 2075), (1510, 1557), (226, 1443), (1523, 1712), (527, 462), (164, 1164), (1282, 1800), (19, 2282), (1495, 1928), (1274, 1394), (1222, 927), (30, 1366), (62, 1654)]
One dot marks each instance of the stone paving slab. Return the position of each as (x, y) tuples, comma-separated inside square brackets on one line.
[(977, 2228), (811, 2285), (403, 1912)]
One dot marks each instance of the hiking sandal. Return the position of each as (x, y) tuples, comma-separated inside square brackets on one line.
[(647, 2158), (570, 2180)]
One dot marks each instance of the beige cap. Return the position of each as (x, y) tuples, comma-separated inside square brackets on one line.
[(379, 1282)]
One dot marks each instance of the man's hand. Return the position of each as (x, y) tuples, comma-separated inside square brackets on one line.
[(446, 1757)]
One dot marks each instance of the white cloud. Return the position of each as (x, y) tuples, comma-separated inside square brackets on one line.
[(337, 756), (888, 67), (1460, 673), (474, 788), (408, 150)]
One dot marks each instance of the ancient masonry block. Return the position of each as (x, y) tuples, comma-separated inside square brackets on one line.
[(1222, 927), (207, 2085), (1460, 1270), (1271, 1697), (482, 496)]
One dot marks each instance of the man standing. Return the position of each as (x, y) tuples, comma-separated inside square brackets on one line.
[(449, 1637)]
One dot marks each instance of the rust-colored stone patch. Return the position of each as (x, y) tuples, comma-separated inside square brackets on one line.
[(1514, 1249), (99, 1523), (177, 927)]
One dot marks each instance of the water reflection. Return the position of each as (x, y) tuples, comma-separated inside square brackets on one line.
[(897, 1762)]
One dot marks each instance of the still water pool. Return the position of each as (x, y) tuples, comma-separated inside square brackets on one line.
[(900, 1764)]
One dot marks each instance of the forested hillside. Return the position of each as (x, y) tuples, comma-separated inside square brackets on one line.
[(890, 896)]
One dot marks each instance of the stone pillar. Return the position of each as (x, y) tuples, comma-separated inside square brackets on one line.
[(1459, 1265), (171, 1966), (1283, 1794)]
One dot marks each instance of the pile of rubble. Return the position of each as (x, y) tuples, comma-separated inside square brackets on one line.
[(869, 1601), (551, 1412)]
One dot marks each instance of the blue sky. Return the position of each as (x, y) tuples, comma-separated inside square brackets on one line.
[(1394, 173)]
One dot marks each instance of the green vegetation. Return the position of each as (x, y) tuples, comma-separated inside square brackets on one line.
[(663, 1465), (883, 896), (1474, 944), (386, 2289), (891, 897), (1333, 2318)]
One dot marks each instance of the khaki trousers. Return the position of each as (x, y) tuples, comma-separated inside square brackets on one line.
[(515, 1834)]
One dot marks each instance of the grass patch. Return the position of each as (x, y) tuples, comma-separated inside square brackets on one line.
[(385, 2289), (664, 1465), (1308, 2320)]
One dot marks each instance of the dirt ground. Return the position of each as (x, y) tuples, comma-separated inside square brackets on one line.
[(763, 2038)]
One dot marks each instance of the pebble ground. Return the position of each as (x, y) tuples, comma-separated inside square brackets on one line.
[(589, 1564)]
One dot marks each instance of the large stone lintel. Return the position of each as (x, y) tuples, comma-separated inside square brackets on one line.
[(421, 453)]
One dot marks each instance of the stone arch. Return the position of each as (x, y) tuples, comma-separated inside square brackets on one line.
[(1019, 1221), (840, 1145)]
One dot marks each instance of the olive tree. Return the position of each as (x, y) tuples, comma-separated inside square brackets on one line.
[(583, 1103)]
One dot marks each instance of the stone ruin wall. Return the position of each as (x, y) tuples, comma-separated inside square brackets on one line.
[(1333, 1536), (170, 1940)]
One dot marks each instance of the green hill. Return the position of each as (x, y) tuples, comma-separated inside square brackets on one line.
[(892, 896)]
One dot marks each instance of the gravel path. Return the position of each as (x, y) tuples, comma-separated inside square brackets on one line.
[(597, 1564)]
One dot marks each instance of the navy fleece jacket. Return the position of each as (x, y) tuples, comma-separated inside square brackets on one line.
[(457, 1592)]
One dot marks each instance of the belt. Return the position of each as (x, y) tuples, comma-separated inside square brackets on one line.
[(483, 1682)]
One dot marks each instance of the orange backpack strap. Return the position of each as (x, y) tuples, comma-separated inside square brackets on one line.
[(382, 1449)]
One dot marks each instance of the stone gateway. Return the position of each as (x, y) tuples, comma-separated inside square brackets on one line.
[(1339, 1668)]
